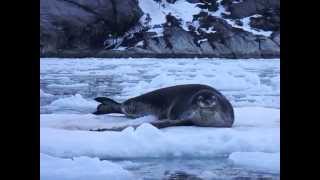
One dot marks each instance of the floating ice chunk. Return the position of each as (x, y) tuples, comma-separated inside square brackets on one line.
[(76, 85), (257, 78), (160, 81), (74, 103), (128, 164), (257, 160), (81, 168), (255, 130), (89, 121), (257, 117), (126, 69), (209, 175), (147, 130), (43, 94)]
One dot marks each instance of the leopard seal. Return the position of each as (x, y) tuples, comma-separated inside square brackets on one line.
[(180, 105)]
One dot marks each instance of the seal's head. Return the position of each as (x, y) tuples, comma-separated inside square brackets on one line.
[(212, 109), (206, 100)]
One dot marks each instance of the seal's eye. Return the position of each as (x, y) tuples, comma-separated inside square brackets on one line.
[(213, 100), (207, 102)]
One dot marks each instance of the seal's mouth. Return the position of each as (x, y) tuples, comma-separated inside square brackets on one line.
[(208, 106), (206, 114), (208, 110)]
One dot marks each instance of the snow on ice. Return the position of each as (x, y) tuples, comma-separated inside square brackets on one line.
[(148, 141), (74, 103)]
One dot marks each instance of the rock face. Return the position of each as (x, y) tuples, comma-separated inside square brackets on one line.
[(250, 7), (97, 28), (81, 25)]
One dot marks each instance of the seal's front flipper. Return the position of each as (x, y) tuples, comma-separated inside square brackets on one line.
[(120, 128), (170, 123), (157, 124)]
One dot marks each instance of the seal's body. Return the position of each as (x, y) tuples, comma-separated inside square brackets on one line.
[(190, 104)]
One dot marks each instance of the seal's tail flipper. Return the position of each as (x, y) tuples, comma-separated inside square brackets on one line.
[(105, 101), (107, 106)]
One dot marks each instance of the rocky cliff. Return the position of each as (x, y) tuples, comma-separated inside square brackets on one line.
[(160, 28)]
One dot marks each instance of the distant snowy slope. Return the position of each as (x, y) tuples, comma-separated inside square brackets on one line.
[(70, 152), (181, 9), (186, 11)]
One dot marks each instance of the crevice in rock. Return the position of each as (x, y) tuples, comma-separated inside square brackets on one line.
[(166, 37), (167, 41), (156, 39), (275, 42), (259, 43), (255, 4), (273, 39), (259, 39), (234, 55), (115, 12), (211, 45)]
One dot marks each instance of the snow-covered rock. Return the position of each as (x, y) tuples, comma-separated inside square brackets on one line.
[(168, 28)]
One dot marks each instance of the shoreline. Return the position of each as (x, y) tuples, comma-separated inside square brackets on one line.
[(159, 56)]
